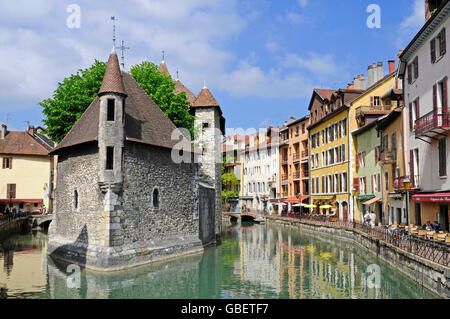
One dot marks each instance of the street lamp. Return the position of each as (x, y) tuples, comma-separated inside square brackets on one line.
[(407, 187)]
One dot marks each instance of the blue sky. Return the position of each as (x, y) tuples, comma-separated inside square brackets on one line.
[(261, 59)]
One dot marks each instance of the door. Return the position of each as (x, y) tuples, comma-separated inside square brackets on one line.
[(443, 217), (398, 216), (417, 214), (207, 215), (344, 211)]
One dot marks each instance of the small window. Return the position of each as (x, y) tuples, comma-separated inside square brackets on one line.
[(7, 163), (205, 125), (155, 198), (111, 110), (109, 158)]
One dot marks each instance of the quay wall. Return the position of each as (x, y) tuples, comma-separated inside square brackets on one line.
[(431, 275)]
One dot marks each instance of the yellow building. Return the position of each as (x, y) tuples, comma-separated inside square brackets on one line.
[(379, 99), (328, 149), (27, 170)]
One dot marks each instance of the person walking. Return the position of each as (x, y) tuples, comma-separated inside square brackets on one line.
[(366, 218)]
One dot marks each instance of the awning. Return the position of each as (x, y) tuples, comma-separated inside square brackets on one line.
[(323, 197), (434, 198), (372, 201), (26, 201), (246, 197), (364, 197), (293, 200)]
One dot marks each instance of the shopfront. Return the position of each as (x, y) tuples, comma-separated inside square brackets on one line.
[(433, 207)]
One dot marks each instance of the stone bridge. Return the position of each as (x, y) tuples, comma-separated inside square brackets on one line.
[(42, 221), (235, 217)]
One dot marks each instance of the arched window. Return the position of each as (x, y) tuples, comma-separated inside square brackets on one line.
[(155, 198)]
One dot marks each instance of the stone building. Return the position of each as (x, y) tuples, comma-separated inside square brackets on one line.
[(120, 199)]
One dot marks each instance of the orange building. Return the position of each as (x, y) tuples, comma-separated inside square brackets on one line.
[(294, 167)]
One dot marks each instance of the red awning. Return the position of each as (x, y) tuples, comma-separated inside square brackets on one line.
[(434, 198), (30, 201), (295, 200)]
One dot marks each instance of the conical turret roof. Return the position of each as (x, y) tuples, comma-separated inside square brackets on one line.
[(205, 99), (163, 68), (112, 80)]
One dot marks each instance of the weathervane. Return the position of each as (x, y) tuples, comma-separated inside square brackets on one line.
[(178, 75), (114, 19), (123, 48)]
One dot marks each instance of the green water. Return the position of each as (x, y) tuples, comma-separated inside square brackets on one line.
[(254, 261)]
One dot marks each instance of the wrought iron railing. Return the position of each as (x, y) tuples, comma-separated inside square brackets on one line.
[(432, 120), (438, 252)]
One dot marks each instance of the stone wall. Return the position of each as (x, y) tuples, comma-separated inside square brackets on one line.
[(211, 160), (431, 275), (147, 168), (77, 171)]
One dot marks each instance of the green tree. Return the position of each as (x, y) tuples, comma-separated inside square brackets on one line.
[(160, 88), (229, 181), (72, 97), (76, 92)]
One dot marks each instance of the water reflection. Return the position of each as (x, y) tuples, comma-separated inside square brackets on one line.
[(254, 261)]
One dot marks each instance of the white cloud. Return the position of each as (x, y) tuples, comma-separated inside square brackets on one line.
[(302, 3), (411, 24)]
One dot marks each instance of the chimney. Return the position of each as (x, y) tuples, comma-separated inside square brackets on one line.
[(31, 130), (291, 119), (391, 66), (380, 70), (370, 75), (4, 130), (360, 82)]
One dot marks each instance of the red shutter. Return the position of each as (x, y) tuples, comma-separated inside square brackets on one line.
[(379, 182), (443, 42), (364, 158), (410, 117), (356, 184), (433, 50), (357, 160), (417, 110), (411, 165), (365, 184), (376, 153), (445, 102), (371, 101), (416, 67), (409, 73), (372, 180)]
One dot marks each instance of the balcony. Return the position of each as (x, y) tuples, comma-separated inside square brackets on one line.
[(432, 124), (389, 156), (398, 182), (363, 111)]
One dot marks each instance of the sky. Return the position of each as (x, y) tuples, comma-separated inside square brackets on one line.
[(261, 59)]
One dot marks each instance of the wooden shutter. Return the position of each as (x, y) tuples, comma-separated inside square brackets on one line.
[(435, 108), (372, 180), (410, 73), (356, 184), (443, 42), (433, 50), (365, 184), (417, 110), (445, 102), (4, 163), (416, 67), (376, 155), (371, 101), (442, 157), (410, 117), (379, 182), (411, 165), (357, 160), (364, 158)]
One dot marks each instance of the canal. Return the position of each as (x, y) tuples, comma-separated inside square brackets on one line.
[(254, 261)]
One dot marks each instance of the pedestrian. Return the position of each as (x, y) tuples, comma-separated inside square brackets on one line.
[(366, 218), (373, 218)]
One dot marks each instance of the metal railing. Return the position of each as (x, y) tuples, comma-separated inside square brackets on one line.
[(438, 252), (432, 120), (7, 218)]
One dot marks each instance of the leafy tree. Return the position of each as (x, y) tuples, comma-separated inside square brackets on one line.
[(72, 97), (160, 87), (76, 92)]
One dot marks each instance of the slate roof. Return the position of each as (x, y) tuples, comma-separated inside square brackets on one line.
[(145, 122), (180, 87)]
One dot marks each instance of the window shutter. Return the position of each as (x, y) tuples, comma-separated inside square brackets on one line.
[(376, 155), (371, 101), (10, 163), (435, 108), (365, 184), (433, 50), (443, 42), (445, 102), (410, 117), (372, 180), (411, 164), (379, 182), (357, 160), (442, 157), (416, 67), (4, 163), (364, 158), (417, 110), (356, 184), (409, 73)]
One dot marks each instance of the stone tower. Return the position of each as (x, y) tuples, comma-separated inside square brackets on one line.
[(209, 127)]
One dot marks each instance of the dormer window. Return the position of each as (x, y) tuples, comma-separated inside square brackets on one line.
[(111, 110)]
